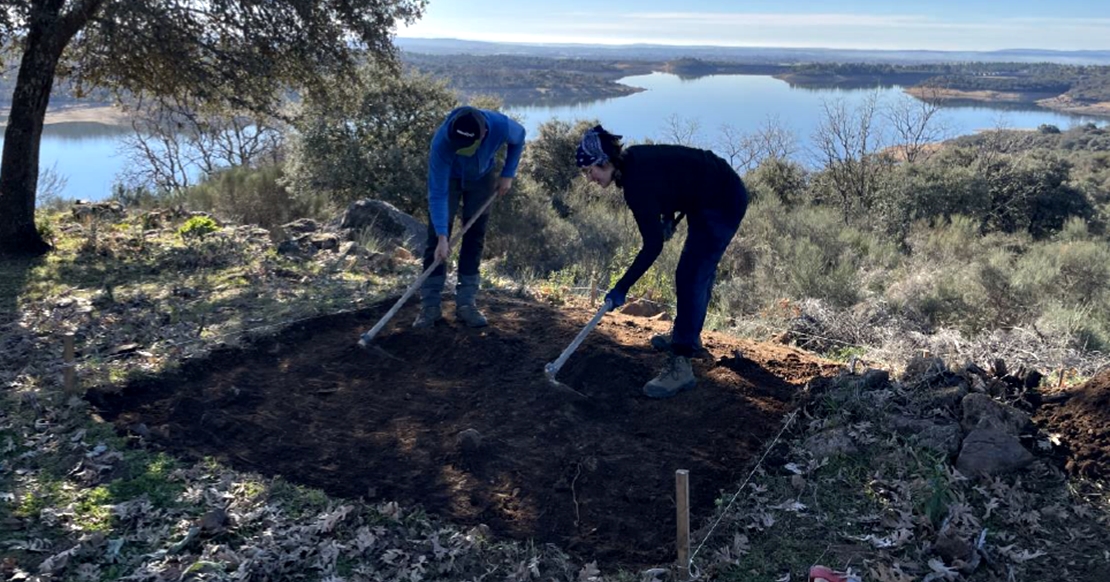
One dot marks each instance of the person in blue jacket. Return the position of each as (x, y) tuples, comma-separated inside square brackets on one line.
[(461, 168), (661, 184)]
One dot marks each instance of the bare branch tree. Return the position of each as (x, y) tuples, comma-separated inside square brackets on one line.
[(737, 148), (746, 151), (682, 130), (175, 141), (916, 124), (51, 184), (846, 143), (774, 139)]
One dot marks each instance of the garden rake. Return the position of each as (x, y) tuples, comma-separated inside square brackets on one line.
[(365, 341), (552, 368)]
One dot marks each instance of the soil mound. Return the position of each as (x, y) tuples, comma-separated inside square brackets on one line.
[(1083, 423), (468, 427)]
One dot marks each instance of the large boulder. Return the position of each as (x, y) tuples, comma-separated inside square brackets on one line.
[(109, 209), (989, 451), (982, 411), (384, 221)]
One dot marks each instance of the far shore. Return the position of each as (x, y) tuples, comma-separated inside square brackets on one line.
[(103, 114), (1060, 103)]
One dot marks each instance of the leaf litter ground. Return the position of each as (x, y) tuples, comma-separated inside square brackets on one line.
[(594, 477)]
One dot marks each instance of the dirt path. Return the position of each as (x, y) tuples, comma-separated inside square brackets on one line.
[(596, 478)]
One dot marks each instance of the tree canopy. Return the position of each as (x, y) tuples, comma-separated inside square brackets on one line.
[(248, 54)]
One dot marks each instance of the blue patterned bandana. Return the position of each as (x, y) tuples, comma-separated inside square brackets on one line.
[(589, 151)]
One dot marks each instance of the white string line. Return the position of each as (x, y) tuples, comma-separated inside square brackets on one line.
[(721, 516)]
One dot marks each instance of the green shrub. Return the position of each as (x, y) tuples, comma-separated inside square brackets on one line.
[(529, 235), (930, 297), (785, 180), (142, 197), (255, 196), (957, 241), (803, 252), (999, 298), (368, 137), (197, 228), (1077, 328), (1071, 271)]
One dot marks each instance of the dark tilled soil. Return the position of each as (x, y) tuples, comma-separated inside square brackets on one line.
[(1083, 422), (595, 477)]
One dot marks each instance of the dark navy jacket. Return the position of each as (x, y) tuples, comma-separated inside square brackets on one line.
[(663, 180)]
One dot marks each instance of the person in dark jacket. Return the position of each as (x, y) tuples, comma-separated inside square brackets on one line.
[(461, 168), (661, 184)]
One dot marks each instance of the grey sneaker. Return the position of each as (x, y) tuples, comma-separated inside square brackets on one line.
[(428, 317), (662, 342), (677, 375), (470, 315)]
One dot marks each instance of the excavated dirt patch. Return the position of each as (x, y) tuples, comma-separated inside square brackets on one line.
[(468, 427), (1083, 423)]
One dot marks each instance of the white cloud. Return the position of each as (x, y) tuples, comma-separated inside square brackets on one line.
[(765, 19), (829, 30)]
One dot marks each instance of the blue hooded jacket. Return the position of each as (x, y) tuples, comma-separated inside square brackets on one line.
[(444, 164)]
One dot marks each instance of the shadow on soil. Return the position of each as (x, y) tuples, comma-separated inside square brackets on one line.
[(467, 426)]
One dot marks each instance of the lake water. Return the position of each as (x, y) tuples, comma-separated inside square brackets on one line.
[(87, 154), (748, 102)]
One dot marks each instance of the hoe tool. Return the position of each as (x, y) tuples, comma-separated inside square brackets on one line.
[(552, 368), (365, 341)]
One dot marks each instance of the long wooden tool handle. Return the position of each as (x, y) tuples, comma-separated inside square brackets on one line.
[(554, 367), (368, 336)]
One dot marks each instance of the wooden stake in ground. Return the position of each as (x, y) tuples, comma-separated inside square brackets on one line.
[(682, 507), (70, 382)]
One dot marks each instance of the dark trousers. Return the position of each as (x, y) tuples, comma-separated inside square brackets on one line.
[(473, 194), (708, 233)]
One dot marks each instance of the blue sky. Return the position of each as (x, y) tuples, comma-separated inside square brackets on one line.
[(867, 24)]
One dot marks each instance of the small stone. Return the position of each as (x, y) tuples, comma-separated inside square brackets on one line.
[(288, 247), (402, 254), (123, 349), (831, 443), (874, 379), (643, 308), (213, 522), (469, 441)]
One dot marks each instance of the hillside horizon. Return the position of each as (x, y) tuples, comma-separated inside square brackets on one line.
[(760, 54)]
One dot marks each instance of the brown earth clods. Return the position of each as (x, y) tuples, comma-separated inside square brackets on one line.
[(1083, 423), (468, 427)]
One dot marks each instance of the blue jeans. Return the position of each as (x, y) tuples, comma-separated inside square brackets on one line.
[(709, 232), (473, 194)]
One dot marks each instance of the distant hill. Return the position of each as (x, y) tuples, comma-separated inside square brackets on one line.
[(754, 55)]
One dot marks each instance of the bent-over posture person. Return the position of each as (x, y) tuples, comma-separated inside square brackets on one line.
[(661, 183), (461, 168)]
